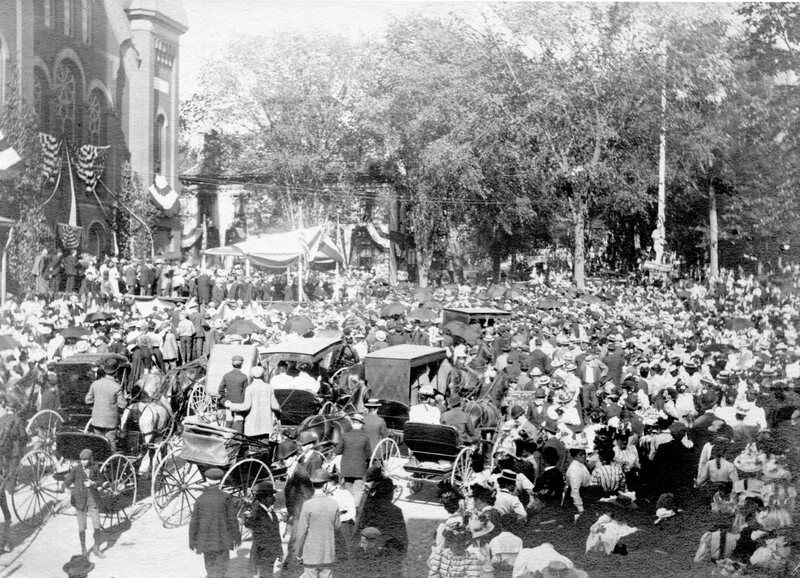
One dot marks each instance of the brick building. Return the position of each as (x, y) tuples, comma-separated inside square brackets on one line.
[(101, 72)]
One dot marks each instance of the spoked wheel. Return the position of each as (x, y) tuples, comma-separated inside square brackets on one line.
[(163, 449), (118, 490), (239, 481), (43, 426), (387, 455), (35, 490), (461, 468), (175, 487), (200, 401)]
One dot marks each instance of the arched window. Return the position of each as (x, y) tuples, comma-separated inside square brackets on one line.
[(41, 99), (67, 92), (96, 240), (86, 21), (97, 118), (159, 144)]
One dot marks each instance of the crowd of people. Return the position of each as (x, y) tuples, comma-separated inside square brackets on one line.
[(625, 400)]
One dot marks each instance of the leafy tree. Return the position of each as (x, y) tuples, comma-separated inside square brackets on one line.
[(134, 239)]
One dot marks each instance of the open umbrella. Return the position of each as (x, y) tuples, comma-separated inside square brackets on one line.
[(720, 347), (458, 328), (298, 324), (75, 332), (591, 299), (496, 292), (393, 308), (280, 307), (549, 303), (241, 327), (422, 314), (96, 316), (353, 322), (434, 305), (422, 295), (8, 342)]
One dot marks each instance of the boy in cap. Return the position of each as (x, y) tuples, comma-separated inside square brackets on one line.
[(214, 528), (263, 521), (83, 479)]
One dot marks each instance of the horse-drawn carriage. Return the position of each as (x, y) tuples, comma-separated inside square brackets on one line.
[(395, 374)]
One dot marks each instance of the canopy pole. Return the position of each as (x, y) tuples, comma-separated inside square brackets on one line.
[(4, 268), (247, 265), (300, 296)]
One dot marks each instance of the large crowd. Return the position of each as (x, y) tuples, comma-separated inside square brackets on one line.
[(626, 400)]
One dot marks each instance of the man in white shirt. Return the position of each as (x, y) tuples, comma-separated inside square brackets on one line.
[(280, 379), (426, 411), (304, 379)]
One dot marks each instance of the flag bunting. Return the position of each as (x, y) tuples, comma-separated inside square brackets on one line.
[(163, 196), (51, 156), (90, 163)]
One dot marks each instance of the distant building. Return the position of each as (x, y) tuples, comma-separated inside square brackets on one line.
[(101, 72)]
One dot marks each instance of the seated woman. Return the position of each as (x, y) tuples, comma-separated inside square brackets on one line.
[(718, 469), (608, 476), (578, 477)]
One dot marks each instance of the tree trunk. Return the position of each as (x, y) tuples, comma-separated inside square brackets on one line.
[(496, 261), (394, 226), (579, 257), (713, 232), (424, 260)]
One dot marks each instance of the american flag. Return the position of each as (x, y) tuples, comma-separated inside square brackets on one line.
[(70, 236)]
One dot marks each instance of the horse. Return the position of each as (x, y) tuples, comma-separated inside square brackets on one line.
[(154, 421)]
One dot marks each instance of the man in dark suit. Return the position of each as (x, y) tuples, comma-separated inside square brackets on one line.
[(232, 389), (550, 485), (82, 480), (214, 529), (457, 418), (265, 525), (673, 467), (615, 361), (146, 279), (538, 358), (203, 284), (301, 459), (355, 449)]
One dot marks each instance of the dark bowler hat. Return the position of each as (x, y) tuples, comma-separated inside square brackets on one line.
[(287, 449), (264, 488), (214, 474), (78, 567)]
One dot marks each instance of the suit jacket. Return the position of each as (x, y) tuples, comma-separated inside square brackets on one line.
[(316, 531), (214, 526), (203, 288), (266, 533), (107, 398), (538, 358), (550, 484), (615, 362), (462, 422), (298, 486), (355, 450), (79, 493), (233, 385), (375, 428)]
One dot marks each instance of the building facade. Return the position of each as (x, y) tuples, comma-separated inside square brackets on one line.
[(105, 73)]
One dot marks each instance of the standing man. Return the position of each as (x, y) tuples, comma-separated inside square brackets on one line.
[(129, 275), (71, 270), (355, 449), (214, 529), (203, 284), (316, 532), (82, 480), (231, 389), (374, 425), (262, 519), (185, 331), (260, 403), (147, 277), (106, 398)]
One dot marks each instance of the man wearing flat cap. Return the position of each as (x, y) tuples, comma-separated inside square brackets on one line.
[(232, 389), (355, 448), (260, 405), (214, 528), (106, 397)]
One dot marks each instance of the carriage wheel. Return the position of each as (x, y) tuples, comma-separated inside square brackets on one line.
[(239, 481), (175, 487), (118, 490), (163, 449), (387, 455), (35, 491), (44, 425), (461, 468), (199, 400)]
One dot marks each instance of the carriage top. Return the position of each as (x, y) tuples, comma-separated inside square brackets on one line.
[(472, 314), (97, 359), (309, 350), (392, 372), (219, 363), (70, 444)]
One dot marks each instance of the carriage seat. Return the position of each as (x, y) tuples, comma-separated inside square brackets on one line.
[(431, 443)]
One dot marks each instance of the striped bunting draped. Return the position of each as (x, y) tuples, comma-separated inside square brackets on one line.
[(70, 236), (90, 163), (51, 156)]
